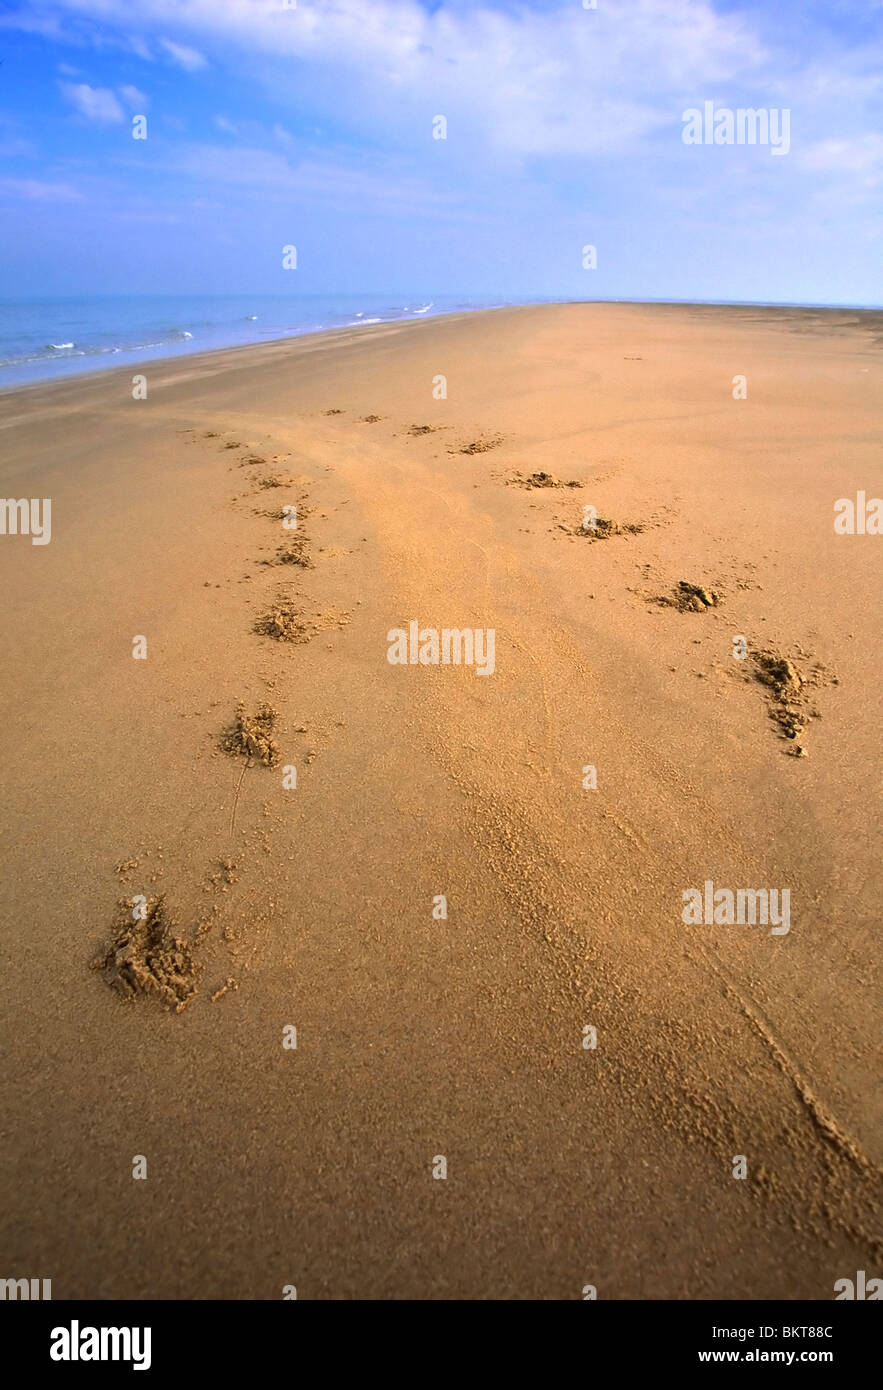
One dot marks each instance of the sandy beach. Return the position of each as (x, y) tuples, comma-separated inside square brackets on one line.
[(464, 890)]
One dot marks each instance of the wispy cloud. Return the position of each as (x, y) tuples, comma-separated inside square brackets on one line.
[(558, 81), (861, 156), (187, 58), (97, 104), (133, 97), (516, 82), (35, 190)]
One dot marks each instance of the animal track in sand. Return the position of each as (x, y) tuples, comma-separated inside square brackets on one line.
[(280, 514), (145, 957), (251, 735), (481, 445), (604, 528), (788, 689), (286, 623), (294, 552), (691, 598), (538, 480)]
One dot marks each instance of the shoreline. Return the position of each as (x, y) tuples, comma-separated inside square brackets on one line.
[(866, 312), (206, 355), (81, 366)]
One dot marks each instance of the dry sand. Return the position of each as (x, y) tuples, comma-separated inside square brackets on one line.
[(270, 907)]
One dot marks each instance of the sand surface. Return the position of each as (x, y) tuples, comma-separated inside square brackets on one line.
[(462, 1037)]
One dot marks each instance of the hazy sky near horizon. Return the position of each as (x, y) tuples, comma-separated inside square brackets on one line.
[(270, 125)]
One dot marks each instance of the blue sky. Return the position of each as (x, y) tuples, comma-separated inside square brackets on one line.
[(312, 125)]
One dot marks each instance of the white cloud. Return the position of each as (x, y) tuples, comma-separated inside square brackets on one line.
[(862, 155), (521, 86), (35, 190), (97, 104), (187, 58), (139, 47), (558, 81), (134, 99)]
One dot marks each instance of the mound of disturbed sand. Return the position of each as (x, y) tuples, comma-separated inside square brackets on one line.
[(691, 598), (286, 623), (423, 429), (145, 957), (541, 480), (482, 444), (251, 735), (293, 553), (604, 527), (785, 685), (780, 674), (281, 514)]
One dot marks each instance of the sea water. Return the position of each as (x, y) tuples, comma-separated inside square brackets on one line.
[(45, 338)]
